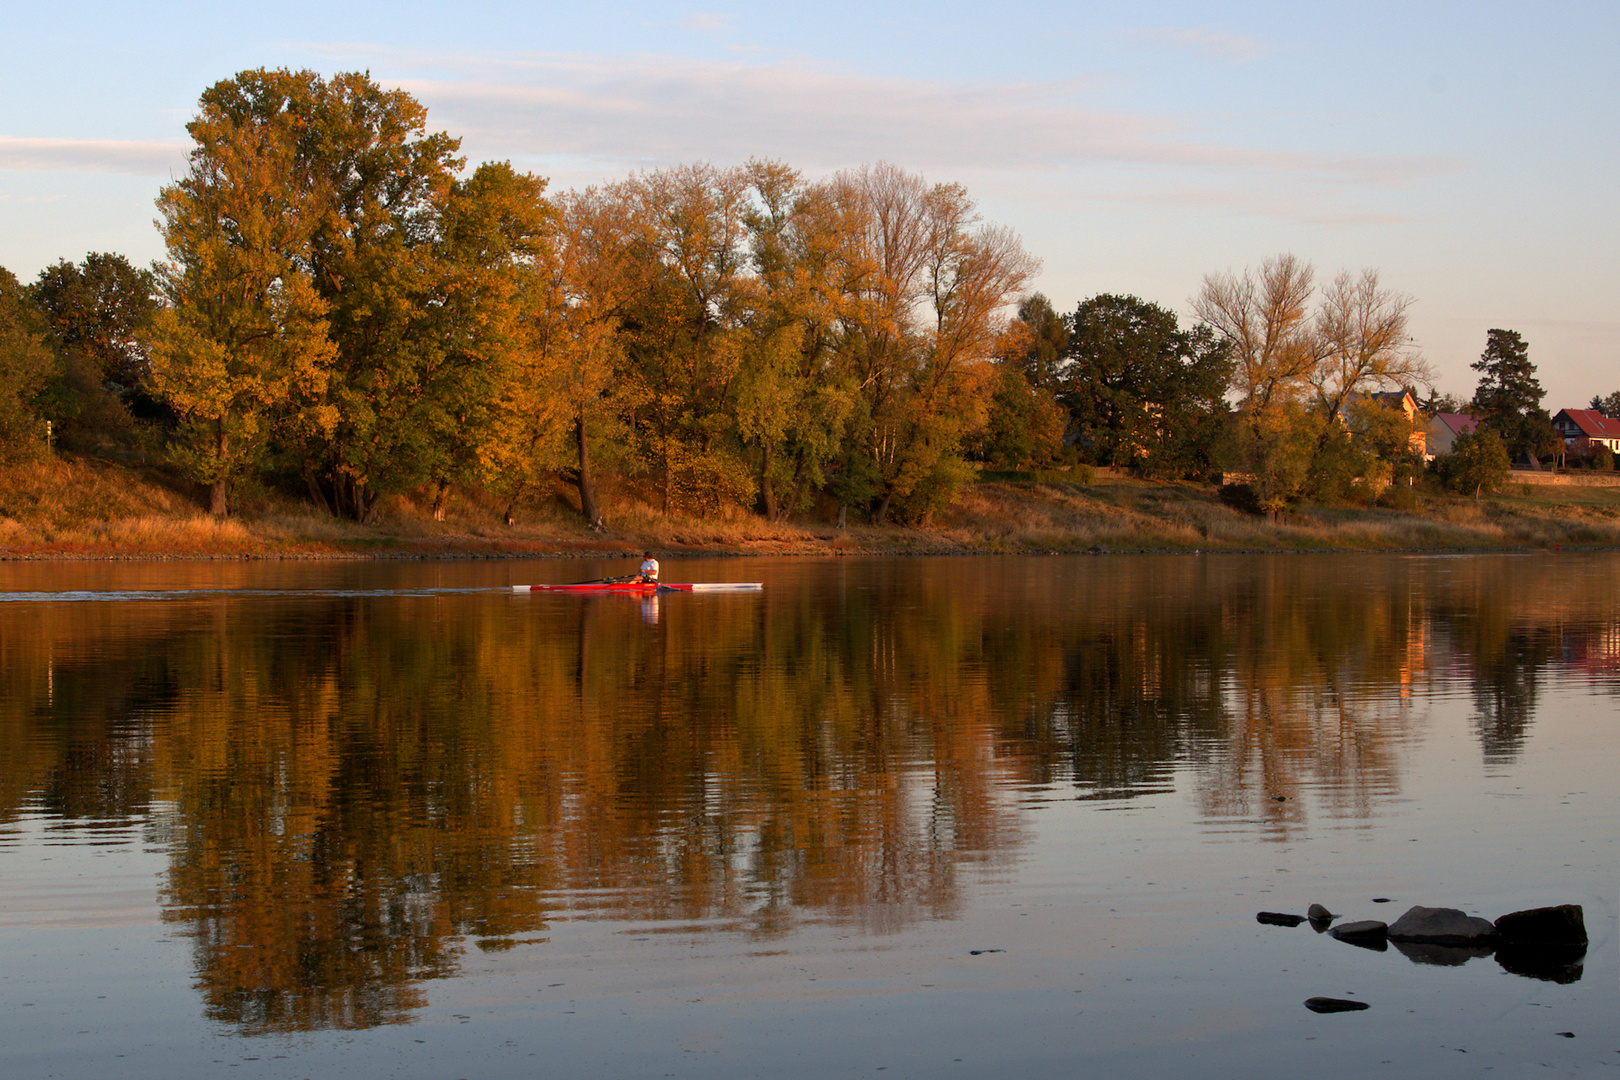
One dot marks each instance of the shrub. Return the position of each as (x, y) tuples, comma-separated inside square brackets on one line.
[(1241, 497), (1399, 497)]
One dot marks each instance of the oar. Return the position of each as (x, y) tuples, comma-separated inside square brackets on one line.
[(620, 580)]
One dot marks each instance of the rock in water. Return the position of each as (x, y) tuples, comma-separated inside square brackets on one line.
[(1333, 1005), (1318, 913), (1278, 918), (1561, 925), (1368, 933), (1441, 926), (1544, 943)]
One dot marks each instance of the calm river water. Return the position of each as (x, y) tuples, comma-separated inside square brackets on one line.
[(973, 817)]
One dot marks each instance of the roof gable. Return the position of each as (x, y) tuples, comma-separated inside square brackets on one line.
[(1592, 423)]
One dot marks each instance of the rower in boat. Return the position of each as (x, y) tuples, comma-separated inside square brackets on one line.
[(648, 574)]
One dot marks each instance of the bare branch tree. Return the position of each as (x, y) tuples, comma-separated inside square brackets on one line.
[(1361, 342), (1264, 314)]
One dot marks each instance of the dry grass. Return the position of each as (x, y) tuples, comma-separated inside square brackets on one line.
[(77, 508)]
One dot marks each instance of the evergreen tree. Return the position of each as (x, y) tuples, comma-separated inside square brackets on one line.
[(1608, 406), (1508, 398)]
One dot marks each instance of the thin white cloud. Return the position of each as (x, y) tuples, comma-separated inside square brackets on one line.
[(92, 155), (627, 112), (596, 117), (1207, 42), (707, 23)]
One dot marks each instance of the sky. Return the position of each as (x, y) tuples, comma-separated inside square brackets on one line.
[(1468, 153)]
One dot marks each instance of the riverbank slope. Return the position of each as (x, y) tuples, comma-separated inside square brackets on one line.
[(84, 508)]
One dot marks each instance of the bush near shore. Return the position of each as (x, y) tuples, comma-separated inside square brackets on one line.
[(89, 508)]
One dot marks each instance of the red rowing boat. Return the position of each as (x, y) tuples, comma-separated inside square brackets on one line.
[(643, 587)]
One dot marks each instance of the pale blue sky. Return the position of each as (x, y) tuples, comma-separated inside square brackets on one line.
[(1468, 152)]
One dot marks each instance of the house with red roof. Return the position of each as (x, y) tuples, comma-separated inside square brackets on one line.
[(1584, 430), (1443, 430)]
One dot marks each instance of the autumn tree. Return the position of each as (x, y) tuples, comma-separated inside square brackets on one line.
[(1265, 314), (1039, 340), (495, 256), (923, 320), (244, 337), (1478, 462), (25, 367), (682, 330), (1026, 424), (379, 287), (561, 413), (378, 261), (794, 404), (1361, 343)]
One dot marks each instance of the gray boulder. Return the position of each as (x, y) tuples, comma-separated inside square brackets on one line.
[(1441, 926), (1318, 913)]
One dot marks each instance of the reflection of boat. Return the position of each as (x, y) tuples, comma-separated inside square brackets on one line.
[(642, 587)]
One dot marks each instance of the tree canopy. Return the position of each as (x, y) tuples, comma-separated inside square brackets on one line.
[(1138, 387)]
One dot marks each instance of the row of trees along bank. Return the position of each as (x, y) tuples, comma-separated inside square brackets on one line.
[(343, 306), (347, 310)]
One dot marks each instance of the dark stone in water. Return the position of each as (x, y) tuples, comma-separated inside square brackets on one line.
[(1441, 926), (1369, 934), (1318, 913), (1561, 925), (1334, 1005), (1278, 918)]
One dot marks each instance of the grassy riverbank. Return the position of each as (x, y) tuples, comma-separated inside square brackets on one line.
[(79, 508)]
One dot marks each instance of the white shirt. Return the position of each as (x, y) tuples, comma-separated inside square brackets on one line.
[(649, 568)]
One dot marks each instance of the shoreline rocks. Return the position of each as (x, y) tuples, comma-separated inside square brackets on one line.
[(1547, 943)]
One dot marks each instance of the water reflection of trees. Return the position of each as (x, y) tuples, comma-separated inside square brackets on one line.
[(352, 788)]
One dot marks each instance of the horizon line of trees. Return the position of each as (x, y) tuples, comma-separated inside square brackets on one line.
[(346, 311)]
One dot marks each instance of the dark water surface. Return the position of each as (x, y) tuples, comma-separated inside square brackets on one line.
[(975, 817)]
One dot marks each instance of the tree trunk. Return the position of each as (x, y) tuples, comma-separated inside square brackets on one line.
[(588, 507), (364, 500), (796, 492), (316, 494), (767, 493), (216, 490), (439, 499)]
